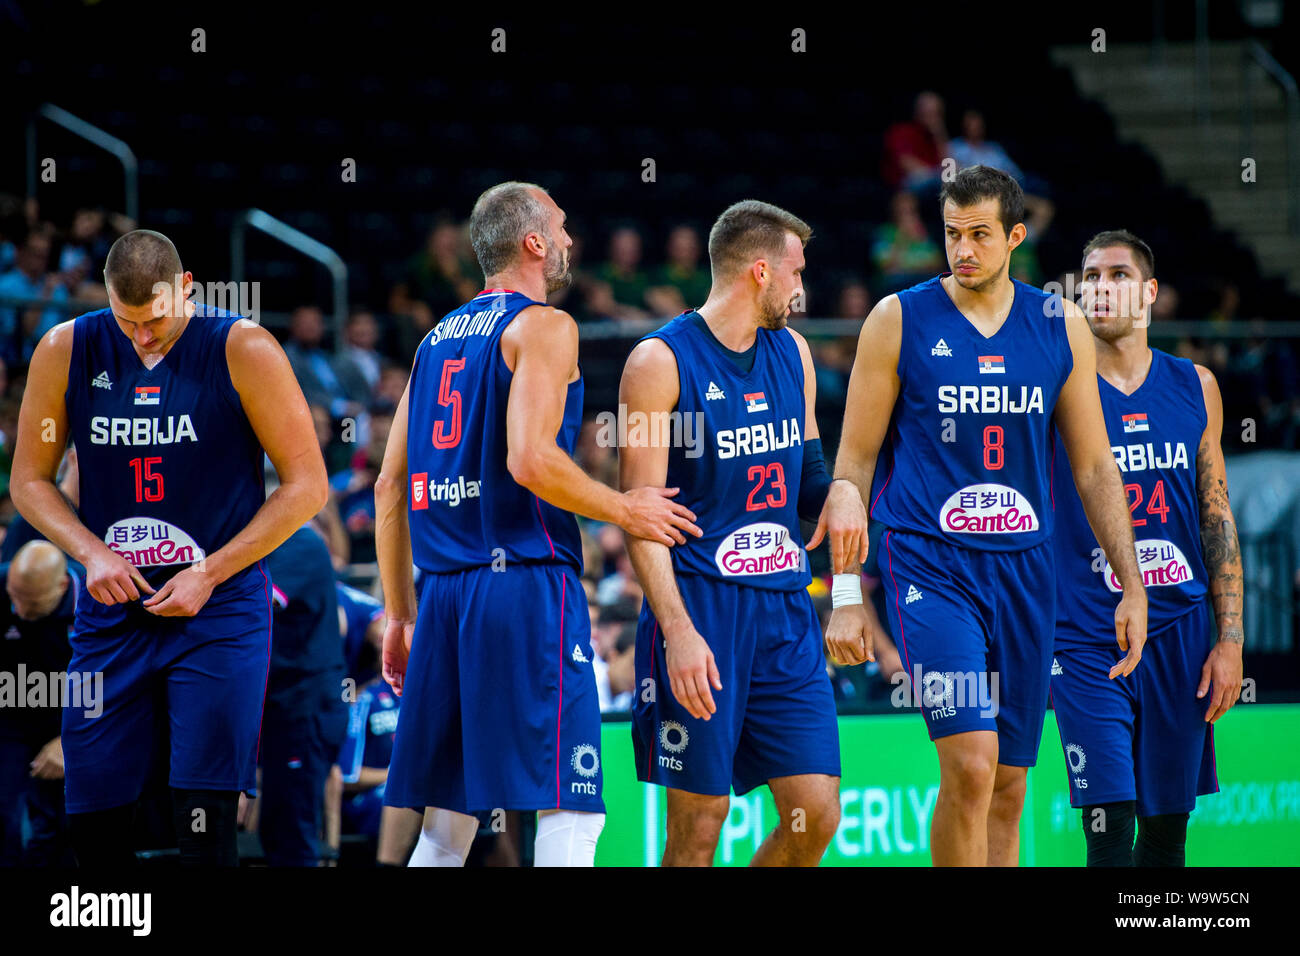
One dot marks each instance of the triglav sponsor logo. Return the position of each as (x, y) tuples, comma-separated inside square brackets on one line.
[(149, 543), (450, 490), (987, 509), (1162, 564), (759, 548)]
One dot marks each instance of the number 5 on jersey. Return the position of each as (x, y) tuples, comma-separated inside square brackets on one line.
[(445, 436)]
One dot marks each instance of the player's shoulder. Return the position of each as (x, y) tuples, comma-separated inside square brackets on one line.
[(651, 356), (800, 343), (248, 344)]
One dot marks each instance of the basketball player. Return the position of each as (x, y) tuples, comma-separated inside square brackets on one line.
[(1145, 746), (957, 387), (170, 408), (731, 674), (499, 708)]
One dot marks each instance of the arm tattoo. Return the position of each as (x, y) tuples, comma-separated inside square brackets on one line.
[(1220, 547)]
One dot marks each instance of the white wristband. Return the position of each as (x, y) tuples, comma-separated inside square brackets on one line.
[(846, 589)]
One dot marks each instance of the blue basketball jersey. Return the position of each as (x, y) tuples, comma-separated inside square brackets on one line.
[(170, 469), (466, 509), (1154, 435), (968, 454), (736, 454)]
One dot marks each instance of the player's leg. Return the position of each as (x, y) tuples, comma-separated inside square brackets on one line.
[(1097, 720), (1017, 681), (1005, 808), (1161, 840), (107, 748), (216, 668), (398, 830), (694, 825), (790, 736), (693, 758), (968, 764), (537, 747), (808, 812), (938, 609), (445, 838)]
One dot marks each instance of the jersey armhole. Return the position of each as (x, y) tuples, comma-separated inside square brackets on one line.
[(677, 359), (76, 360), (224, 381), (903, 308)]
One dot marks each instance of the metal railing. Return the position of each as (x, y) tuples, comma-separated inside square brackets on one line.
[(299, 241), (1254, 53), (96, 137)]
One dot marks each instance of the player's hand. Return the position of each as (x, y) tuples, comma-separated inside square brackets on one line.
[(48, 764), (397, 648), (112, 579), (849, 636), (691, 669), (1222, 669), (1130, 632), (844, 519), (651, 515), (183, 595)]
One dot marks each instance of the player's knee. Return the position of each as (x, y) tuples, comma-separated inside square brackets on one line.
[(1008, 795), (969, 775), (699, 822), (824, 820)]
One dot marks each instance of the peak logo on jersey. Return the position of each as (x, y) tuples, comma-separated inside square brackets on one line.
[(913, 595), (941, 348), (101, 381), (755, 402), (714, 393), (578, 656), (992, 364), (451, 490), (148, 394), (759, 548), (1161, 562), (1057, 669), (151, 543), (987, 509), (1136, 422)]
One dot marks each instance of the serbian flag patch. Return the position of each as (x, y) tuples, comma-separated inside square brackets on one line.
[(147, 394), (755, 402), (1137, 422), (992, 364)]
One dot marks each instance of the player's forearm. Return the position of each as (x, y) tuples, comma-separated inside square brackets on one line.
[(654, 570), (393, 548), (554, 477), (288, 508), (1222, 555), (862, 472), (46, 509), (367, 779), (1102, 492)]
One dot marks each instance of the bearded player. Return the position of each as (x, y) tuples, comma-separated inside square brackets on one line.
[(479, 487), (729, 657), (1144, 746), (958, 386), (170, 408)]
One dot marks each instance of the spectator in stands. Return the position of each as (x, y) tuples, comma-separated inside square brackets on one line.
[(355, 488), (598, 460), (34, 625), (13, 230), (21, 328), (679, 284), (392, 383), (439, 278), (304, 718), (972, 149), (91, 234), (615, 650), (367, 751), (915, 149), (622, 274), (358, 363), (306, 350), (901, 250)]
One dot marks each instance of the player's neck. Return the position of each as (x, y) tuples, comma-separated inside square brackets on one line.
[(533, 286), (990, 304), (733, 324), (150, 359), (1125, 362)]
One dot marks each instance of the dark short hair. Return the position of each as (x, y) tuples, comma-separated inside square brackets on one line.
[(749, 230), (976, 183), (1142, 254), (137, 262)]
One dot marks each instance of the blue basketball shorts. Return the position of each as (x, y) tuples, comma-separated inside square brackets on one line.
[(499, 704), (974, 629), (776, 710), (1141, 737)]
